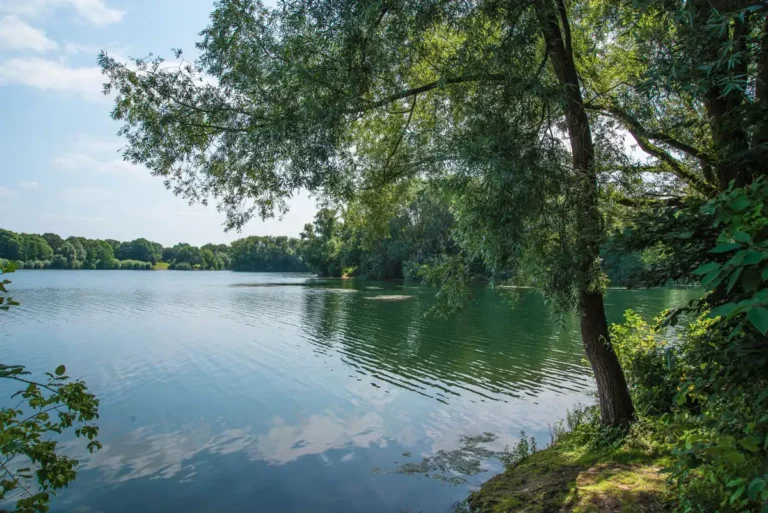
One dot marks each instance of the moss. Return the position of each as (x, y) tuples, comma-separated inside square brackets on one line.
[(567, 479)]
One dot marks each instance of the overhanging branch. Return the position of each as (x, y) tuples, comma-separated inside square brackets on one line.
[(643, 138)]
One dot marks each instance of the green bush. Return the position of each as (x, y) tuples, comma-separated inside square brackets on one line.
[(135, 265), (705, 392), (181, 266)]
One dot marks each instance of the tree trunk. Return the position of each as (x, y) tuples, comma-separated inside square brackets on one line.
[(616, 407)]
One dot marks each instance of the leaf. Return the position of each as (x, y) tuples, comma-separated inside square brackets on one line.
[(765, 274), (751, 443), (734, 278), (60, 370), (755, 487), (733, 456), (742, 237), (710, 278), (737, 494), (754, 257), (725, 248), (758, 316), (723, 310), (739, 203), (706, 268)]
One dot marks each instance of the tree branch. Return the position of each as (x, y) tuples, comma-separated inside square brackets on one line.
[(630, 122), (407, 93), (402, 134)]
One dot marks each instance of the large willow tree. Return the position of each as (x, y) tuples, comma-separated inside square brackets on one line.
[(517, 105)]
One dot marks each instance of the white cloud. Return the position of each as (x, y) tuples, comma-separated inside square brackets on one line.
[(95, 12), (7, 194), (49, 75), (83, 161), (75, 48), (85, 194), (94, 144), (17, 35), (29, 185)]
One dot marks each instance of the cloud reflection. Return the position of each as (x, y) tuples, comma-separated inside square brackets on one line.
[(142, 453)]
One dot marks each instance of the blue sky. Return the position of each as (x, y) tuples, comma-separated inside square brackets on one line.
[(60, 170)]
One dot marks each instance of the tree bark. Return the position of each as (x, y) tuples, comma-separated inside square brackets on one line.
[(727, 127), (616, 408)]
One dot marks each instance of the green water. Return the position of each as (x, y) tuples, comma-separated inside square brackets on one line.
[(239, 392)]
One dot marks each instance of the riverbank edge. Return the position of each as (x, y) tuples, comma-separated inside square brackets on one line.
[(569, 477)]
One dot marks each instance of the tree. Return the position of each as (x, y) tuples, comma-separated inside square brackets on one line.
[(144, 250), (53, 240), (69, 253), (187, 253), (265, 254), (697, 88), (11, 246), (337, 96), (76, 249), (322, 244)]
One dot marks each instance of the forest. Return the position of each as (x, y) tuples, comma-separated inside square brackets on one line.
[(50, 251), (554, 146), (415, 232)]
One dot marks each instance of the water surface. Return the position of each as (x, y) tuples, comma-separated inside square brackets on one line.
[(242, 392)]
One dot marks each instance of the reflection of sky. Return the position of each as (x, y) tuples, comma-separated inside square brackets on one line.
[(206, 387), (142, 453)]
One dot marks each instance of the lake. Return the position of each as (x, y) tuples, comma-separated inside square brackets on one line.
[(242, 392)]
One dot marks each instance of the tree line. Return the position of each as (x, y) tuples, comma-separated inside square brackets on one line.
[(50, 251)]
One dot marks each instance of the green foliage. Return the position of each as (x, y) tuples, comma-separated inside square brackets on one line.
[(134, 265), (50, 251), (705, 394), (699, 375), (32, 469), (512, 456), (736, 272), (140, 249), (267, 254)]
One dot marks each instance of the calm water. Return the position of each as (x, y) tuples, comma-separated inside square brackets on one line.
[(292, 396)]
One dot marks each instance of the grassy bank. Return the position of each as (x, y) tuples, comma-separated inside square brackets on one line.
[(574, 477)]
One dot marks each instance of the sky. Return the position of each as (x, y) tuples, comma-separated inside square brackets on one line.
[(60, 167)]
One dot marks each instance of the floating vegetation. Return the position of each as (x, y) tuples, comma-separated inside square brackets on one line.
[(309, 285), (272, 284), (452, 466), (392, 297)]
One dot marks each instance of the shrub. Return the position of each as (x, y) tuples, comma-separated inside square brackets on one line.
[(181, 266), (515, 455), (59, 262), (135, 265), (705, 392)]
